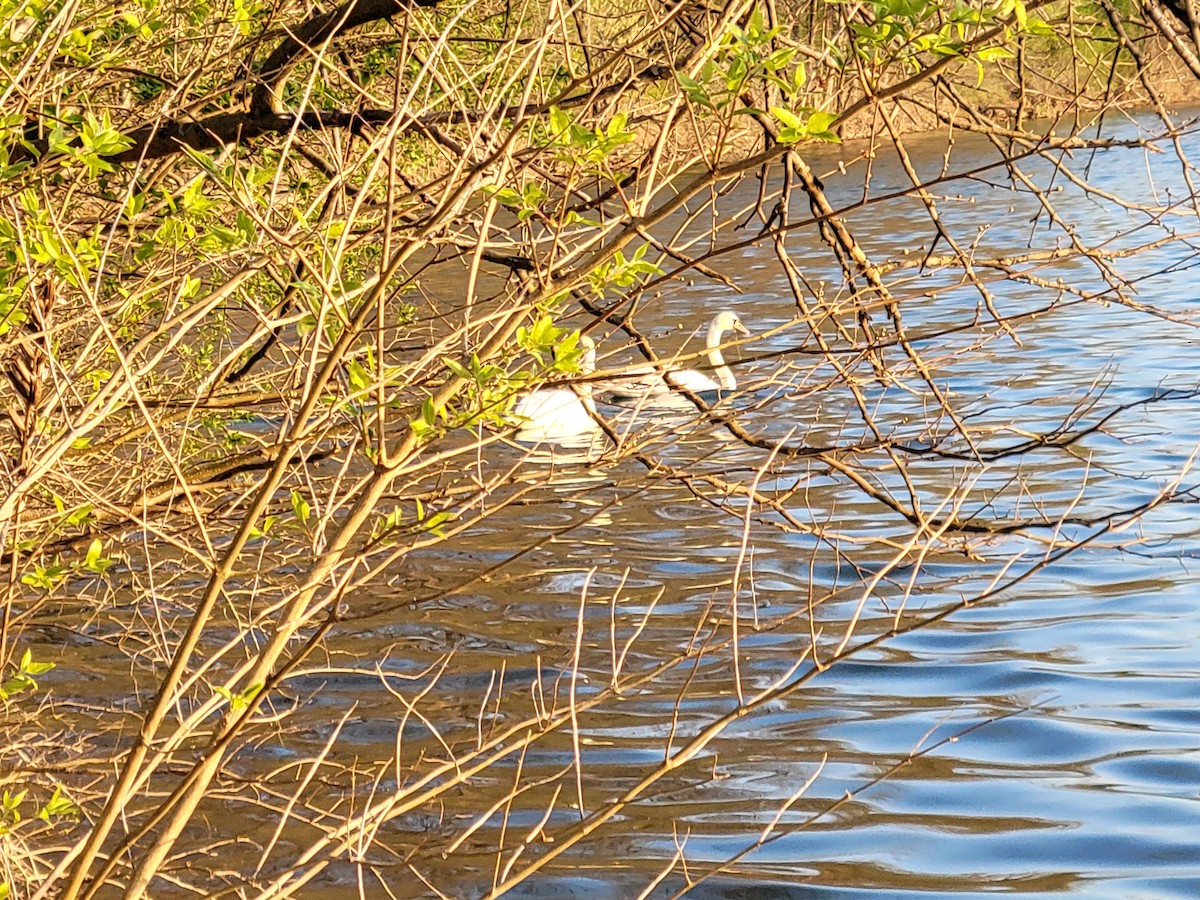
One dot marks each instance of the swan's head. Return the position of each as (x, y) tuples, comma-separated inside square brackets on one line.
[(727, 320)]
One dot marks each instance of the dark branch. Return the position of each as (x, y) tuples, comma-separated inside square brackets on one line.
[(157, 140), (168, 138), (309, 36)]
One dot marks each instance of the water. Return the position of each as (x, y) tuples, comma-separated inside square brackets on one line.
[(1044, 741)]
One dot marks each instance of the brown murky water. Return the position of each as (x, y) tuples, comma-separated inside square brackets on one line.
[(1093, 789)]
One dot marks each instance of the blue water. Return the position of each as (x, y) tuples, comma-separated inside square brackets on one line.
[(1047, 740), (1041, 740)]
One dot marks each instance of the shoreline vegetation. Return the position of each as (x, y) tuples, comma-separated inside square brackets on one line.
[(273, 278)]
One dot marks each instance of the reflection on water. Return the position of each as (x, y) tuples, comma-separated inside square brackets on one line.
[(1084, 777)]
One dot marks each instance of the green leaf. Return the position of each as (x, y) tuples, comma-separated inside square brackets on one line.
[(242, 699), (300, 507), (134, 205), (560, 123), (268, 522), (988, 54), (95, 561), (458, 369), (433, 523), (1034, 25), (505, 196), (44, 577), (779, 59), (57, 806), (799, 76), (819, 122), (79, 516), (246, 227), (390, 522), (1021, 13), (360, 380), (145, 250), (97, 138), (566, 352), (190, 287), (787, 117)]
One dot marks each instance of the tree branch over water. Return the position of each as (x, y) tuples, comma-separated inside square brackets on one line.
[(284, 300)]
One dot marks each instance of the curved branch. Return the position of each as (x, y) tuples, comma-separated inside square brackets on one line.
[(310, 35), (159, 140)]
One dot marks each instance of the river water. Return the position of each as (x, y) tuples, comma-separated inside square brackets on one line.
[(1088, 783), (1044, 741)]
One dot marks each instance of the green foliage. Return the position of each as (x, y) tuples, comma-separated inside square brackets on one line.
[(301, 508), (815, 126), (98, 139), (744, 59), (10, 810), (621, 273), (24, 677), (245, 13), (568, 353), (239, 701), (56, 807), (95, 562), (387, 525), (540, 338), (261, 533), (588, 148), (13, 809), (360, 378), (489, 388), (431, 522), (906, 30), (527, 202), (85, 140), (46, 578), (78, 517), (389, 528), (425, 426), (40, 242)]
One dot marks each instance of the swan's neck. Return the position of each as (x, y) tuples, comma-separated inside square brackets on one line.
[(717, 361), (587, 367)]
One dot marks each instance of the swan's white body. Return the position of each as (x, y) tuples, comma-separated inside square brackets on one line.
[(553, 414), (559, 414), (646, 381)]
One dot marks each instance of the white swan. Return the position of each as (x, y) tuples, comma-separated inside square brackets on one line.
[(559, 414), (646, 381)]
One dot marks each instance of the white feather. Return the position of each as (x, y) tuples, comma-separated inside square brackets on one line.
[(646, 383), (559, 414)]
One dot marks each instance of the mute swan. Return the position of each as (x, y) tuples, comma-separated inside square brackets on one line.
[(643, 381), (558, 414)]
